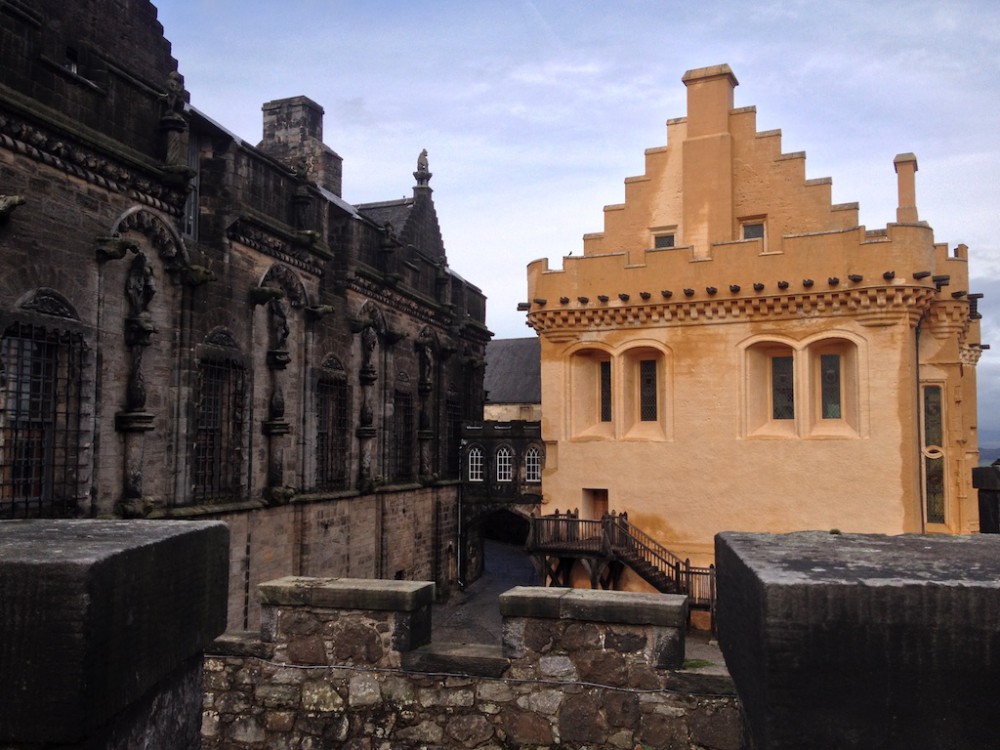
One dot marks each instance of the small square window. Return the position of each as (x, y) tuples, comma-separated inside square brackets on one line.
[(753, 230), (663, 240)]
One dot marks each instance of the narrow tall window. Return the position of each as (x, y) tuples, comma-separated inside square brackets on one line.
[(933, 453), (475, 458), (403, 437), (782, 388), (533, 465), (332, 428), (221, 423), (41, 377), (830, 386), (505, 465), (605, 394), (647, 390)]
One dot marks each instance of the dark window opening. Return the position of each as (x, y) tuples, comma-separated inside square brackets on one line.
[(402, 454), (663, 240), (218, 449), (41, 385), (332, 428), (753, 231)]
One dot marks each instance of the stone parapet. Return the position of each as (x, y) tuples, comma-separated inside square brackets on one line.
[(576, 669), (862, 641), (102, 626)]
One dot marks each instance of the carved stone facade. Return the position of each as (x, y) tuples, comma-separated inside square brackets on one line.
[(734, 351), (196, 327)]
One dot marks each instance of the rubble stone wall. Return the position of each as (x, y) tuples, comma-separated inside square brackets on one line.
[(348, 663)]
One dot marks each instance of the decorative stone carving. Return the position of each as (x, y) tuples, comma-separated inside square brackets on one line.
[(49, 302), (7, 205)]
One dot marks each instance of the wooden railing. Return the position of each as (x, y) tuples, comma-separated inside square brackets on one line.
[(614, 536)]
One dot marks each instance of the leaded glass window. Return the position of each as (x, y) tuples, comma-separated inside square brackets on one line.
[(782, 388), (647, 390), (933, 455), (830, 386), (605, 394)]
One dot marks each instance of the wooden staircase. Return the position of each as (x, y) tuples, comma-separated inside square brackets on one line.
[(605, 547)]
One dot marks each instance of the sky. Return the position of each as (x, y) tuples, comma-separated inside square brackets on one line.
[(533, 113)]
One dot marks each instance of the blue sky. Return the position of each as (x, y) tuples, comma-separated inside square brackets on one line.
[(534, 113)]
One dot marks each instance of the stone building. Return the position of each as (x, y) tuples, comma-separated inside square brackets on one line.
[(735, 352), (194, 327), (513, 380)]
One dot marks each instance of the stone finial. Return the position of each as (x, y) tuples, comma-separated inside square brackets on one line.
[(423, 174)]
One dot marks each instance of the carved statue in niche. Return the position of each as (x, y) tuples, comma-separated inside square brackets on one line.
[(279, 324), (369, 340), (139, 328)]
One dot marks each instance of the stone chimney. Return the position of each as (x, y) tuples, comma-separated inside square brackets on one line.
[(906, 184), (708, 158), (293, 134)]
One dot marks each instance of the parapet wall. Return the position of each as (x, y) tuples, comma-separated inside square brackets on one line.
[(102, 629), (348, 663)]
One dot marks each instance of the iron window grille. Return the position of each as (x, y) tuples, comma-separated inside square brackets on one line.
[(332, 428), (402, 437), (41, 382), (221, 425)]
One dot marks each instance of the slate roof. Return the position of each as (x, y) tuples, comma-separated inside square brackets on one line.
[(514, 371), (395, 212)]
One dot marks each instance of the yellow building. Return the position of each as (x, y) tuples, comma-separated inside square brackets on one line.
[(734, 352)]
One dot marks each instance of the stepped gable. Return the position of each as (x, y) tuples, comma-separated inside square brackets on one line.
[(414, 220)]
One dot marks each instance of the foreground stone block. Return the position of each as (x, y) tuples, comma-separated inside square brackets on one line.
[(862, 641), (103, 622)]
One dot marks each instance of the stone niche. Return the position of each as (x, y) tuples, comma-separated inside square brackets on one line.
[(102, 629), (862, 641)]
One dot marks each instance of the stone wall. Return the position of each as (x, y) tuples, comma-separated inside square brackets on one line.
[(862, 640), (102, 628), (348, 663)]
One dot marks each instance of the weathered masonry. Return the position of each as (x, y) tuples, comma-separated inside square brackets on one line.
[(191, 326), (348, 663)]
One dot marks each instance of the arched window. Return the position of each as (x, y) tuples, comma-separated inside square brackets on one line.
[(505, 465), (475, 464), (533, 465)]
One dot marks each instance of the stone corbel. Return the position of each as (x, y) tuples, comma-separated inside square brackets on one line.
[(7, 205), (196, 275), (261, 295), (320, 311), (114, 247)]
